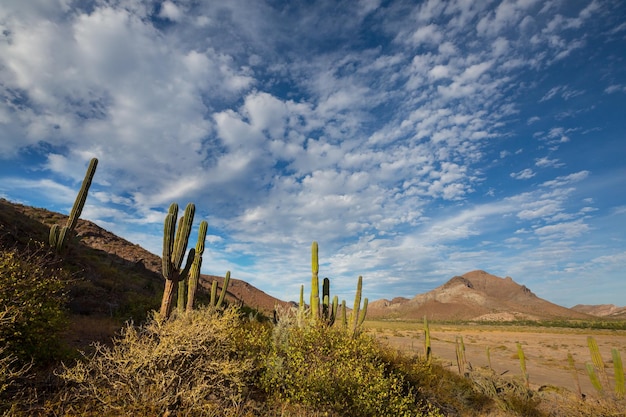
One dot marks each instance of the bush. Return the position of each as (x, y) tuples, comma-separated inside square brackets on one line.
[(33, 294), (325, 369), (200, 363)]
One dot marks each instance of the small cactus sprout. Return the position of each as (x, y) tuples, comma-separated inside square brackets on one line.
[(58, 235)]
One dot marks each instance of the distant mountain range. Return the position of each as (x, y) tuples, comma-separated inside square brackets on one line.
[(476, 295)]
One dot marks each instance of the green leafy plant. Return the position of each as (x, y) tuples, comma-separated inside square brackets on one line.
[(33, 294), (59, 235)]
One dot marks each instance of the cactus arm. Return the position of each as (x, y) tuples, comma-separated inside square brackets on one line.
[(194, 274), (363, 313), (182, 235), (81, 198), (213, 293), (224, 288), (522, 363), (354, 317), (58, 235), (168, 243), (54, 235)]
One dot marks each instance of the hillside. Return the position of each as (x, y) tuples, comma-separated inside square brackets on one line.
[(476, 295), (114, 277)]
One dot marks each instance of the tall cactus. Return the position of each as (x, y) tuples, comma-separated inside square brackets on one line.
[(58, 235), (315, 283), (428, 353), (357, 317), (194, 273), (174, 246)]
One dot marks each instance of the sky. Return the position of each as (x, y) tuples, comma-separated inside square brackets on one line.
[(413, 140)]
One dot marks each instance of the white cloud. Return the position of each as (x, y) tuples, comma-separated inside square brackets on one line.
[(523, 174)]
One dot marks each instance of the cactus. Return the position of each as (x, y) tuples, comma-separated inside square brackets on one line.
[(522, 363), (194, 273), (357, 317), (596, 358), (489, 358), (315, 293), (58, 235), (620, 387), (301, 308), (593, 377), (220, 300), (427, 349), (174, 247), (460, 354)]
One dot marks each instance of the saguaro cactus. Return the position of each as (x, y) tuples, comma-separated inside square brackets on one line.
[(215, 301), (174, 246), (58, 235)]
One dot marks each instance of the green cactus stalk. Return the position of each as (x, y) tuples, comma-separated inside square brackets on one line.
[(596, 358), (572, 366), (344, 315), (522, 364), (363, 313), (593, 377), (213, 300), (460, 355), (427, 349), (174, 247), (315, 292), (301, 308), (194, 273), (58, 235), (220, 300), (620, 388), (353, 323), (489, 357)]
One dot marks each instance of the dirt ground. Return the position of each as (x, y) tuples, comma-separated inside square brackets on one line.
[(545, 349)]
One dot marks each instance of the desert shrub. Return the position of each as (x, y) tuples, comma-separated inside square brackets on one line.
[(200, 363), (325, 369), (34, 295)]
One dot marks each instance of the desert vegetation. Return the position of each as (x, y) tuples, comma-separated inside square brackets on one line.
[(205, 356)]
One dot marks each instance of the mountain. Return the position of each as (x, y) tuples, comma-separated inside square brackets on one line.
[(602, 310), (476, 295), (113, 277)]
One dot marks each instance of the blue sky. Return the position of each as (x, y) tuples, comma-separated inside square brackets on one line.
[(414, 141)]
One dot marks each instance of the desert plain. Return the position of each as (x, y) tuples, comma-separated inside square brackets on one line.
[(545, 349)]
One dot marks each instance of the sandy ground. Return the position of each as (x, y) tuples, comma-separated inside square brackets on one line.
[(545, 349)]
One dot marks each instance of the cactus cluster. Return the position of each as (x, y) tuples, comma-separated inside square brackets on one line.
[(215, 301), (175, 240), (59, 235), (328, 310)]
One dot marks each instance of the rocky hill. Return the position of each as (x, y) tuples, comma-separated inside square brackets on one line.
[(475, 295), (114, 277)]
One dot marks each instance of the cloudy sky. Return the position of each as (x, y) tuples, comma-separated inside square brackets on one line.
[(413, 140)]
